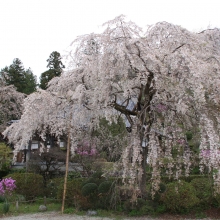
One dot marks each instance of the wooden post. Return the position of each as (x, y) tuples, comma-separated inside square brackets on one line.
[(17, 206), (45, 200), (67, 166)]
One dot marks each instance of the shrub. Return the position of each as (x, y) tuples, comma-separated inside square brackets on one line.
[(2, 199), (74, 174), (97, 175), (104, 187), (30, 185), (52, 187), (203, 188), (189, 135), (92, 180), (89, 189), (130, 206), (179, 197), (74, 197), (156, 197), (96, 178)]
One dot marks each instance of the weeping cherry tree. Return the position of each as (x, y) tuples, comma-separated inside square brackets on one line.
[(163, 83)]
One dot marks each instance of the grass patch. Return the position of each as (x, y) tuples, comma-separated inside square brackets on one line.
[(28, 208)]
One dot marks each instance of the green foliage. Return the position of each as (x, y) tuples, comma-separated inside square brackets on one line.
[(6, 206), (5, 160), (14, 170), (74, 174), (24, 80), (166, 179), (189, 135), (157, 196), (33, 207), (30, 185), (55, 63), (143, 207), (55, 66), (98, 187), (45, 78), (2, 199), (104, 187), (97, 175), (89, 189), (30, 82), (203, 188), (69, 211), (133, 207), (180, 197), (95, 178), (52, 187), (74, 197)]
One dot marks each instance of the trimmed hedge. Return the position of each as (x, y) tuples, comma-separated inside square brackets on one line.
[(30, 185), (203, 188), (179, 197)]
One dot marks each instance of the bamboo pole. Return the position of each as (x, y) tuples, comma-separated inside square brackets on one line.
[(67, 166)]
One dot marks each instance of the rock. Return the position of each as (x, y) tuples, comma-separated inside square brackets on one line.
[(89, 212), (42, 208)]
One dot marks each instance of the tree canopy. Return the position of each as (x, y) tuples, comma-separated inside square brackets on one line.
[(163, 82), (55, 66), (23, 80), (10, 104)]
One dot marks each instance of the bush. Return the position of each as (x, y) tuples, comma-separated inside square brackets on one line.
[(156, 197), (30, 185), (52, 187), (96, 178), (104, 187), (89, 189), (133, 207), (74, 197), (203, 188), (179, 197)]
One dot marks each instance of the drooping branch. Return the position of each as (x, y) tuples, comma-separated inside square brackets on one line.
[(124, 110)]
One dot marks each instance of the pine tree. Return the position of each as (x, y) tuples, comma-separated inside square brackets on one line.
[(30, 82), (15, 75), (23, 80), (55, 63), (55, 66)]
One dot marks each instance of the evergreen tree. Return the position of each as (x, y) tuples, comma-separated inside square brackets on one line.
[(15, 75), (30, 82), (55, 66), (55, 63), (45, 78), (23, 80)]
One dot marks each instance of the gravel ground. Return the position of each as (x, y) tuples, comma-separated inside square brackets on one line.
[(58, 216), (52, 216)]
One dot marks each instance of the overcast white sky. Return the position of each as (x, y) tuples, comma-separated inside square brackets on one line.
[(32, 29)]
